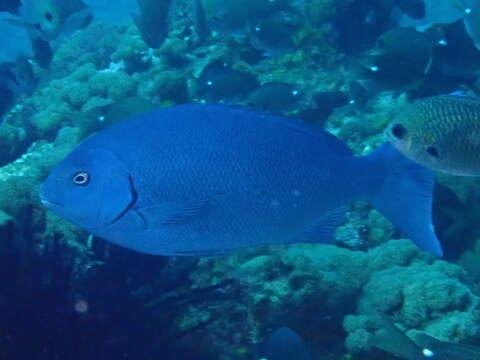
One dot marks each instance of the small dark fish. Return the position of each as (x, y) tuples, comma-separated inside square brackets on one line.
[(285, 344), (152, 21), (47, 17), (442, 350), (321, 106), (273, 34), (111, 12), (114, 112), (44, 15), (421, 347), (218, 81), (404, 56), (458, 57), (43, 52), (233, 18), (96, 118), (313, 115), (436, 12), (453, 220), (15, 39), (228, 17), (404, 42), (327, 101), (471, 10), (360, 22), (127, 107), (275, 96), (18, 77), (76, 21), (389, 338), (413, 8), (358, 93), (440, 132), (205, 179), (7, 100)]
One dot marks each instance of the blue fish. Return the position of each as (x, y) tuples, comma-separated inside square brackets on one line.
[(204, 179), (285, 344)]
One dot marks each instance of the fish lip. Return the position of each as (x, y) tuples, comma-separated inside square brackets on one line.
[(45, 201), (48, 203)]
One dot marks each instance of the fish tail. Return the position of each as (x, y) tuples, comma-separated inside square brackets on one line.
[(403, 192)]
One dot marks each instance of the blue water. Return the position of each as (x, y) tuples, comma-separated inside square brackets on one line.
[(72, 68)]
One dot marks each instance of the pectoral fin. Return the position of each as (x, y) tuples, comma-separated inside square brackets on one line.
[(171, 213)]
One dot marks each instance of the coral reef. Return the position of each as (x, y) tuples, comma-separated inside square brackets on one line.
[(433, 298), (314, 287)]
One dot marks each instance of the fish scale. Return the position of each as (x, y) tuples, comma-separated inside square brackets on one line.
[(257, 171)]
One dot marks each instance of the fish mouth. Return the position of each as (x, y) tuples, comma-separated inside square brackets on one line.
[(44, 199), (48, 203)]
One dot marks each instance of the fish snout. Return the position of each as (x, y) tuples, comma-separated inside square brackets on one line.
[(45, 200)]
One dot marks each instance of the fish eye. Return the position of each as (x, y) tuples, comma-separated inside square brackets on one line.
[(433, 151), (399, 131), (38, 27), (81, 178), (48, 16)]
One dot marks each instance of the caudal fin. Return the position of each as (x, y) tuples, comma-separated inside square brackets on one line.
[(405, 196)]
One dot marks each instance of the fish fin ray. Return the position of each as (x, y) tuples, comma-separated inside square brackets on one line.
[(173, 213), (297, 126), (405, 197)]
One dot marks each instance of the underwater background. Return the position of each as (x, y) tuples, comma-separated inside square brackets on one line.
[(70, 68)]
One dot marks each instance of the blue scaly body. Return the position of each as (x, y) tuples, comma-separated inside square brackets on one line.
[(204, 179)]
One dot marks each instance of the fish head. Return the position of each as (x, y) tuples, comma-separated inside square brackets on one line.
[(47, 17), (412, 136), (90, 187)]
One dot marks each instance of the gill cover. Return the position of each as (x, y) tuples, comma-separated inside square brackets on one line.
[(115, 189)]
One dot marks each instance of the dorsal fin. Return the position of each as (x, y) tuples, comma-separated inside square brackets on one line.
[(292, 124)]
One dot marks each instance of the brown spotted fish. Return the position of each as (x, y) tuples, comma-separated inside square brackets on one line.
[(440, 132)]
